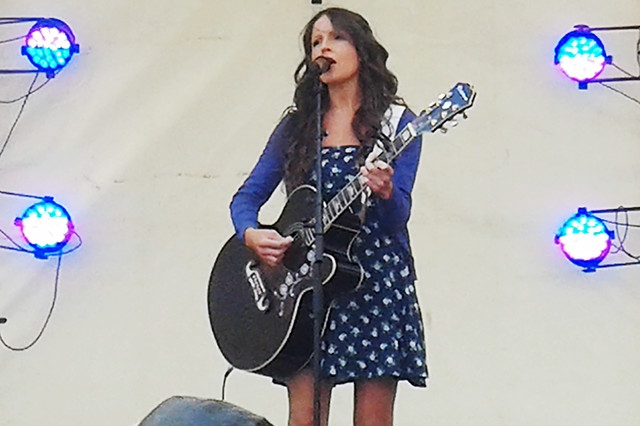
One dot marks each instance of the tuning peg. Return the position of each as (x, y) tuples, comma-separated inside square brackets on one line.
[(446, 126), (464, 115)]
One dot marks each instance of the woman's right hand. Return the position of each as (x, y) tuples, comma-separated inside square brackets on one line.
[(267, 244)]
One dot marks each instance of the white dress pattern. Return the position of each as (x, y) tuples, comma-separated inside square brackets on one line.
[(377, 330)]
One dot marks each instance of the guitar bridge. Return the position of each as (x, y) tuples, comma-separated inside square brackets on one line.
[(257, 286)]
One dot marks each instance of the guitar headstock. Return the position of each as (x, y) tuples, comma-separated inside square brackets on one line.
[(446, 109)]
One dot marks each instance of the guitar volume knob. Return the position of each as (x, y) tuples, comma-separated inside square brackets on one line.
[(311, 255), (304, 269), (283, 290)]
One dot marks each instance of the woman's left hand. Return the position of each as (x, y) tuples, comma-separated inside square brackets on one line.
[(377, 176)]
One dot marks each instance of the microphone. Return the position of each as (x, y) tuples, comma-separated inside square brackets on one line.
[(3, 320), (321, 65)]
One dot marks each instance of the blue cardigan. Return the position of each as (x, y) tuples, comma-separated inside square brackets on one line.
[(269, 172)]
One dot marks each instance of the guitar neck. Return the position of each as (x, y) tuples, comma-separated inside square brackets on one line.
[(448, 106), (347, 195)]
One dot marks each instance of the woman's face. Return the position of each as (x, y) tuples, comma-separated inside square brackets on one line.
[(337, 47)]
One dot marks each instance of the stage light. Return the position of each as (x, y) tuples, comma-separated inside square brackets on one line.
[(581, 55), (50, 45), (585, 240), (46, 226)]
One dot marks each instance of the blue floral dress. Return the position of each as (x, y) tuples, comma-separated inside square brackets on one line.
[(377, 330)]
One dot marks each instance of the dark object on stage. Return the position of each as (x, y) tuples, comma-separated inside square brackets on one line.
[(189, 411), (262, 316)]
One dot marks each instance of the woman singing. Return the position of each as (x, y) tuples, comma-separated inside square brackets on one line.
[(374, 335)]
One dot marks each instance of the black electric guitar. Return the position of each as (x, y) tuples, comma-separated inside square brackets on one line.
[(261, 316)]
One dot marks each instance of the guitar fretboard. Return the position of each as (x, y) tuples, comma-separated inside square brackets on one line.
[(347, 195)]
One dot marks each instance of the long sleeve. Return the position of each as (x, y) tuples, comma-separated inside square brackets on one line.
[(397, 209), (261, 182)]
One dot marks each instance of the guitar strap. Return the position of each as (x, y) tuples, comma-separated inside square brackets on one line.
[(389, 129), (392, 118)]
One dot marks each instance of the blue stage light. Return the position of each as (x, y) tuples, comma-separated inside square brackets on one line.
[(46, 226), (584, 240), (581, 55), (49, 45)]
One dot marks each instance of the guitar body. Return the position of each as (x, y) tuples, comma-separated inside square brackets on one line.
[(261, 316)]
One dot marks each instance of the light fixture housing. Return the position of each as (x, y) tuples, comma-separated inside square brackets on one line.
[(46, 226), (585, 240), (50, 45), (581, 55)]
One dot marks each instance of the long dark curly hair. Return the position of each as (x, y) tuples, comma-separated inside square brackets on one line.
[(378, 87)]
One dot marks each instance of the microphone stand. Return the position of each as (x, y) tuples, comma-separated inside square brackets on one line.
[(317, 265)]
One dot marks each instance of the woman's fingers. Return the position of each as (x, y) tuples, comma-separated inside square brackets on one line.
[(275, 247), (268, 244), (377, 176)]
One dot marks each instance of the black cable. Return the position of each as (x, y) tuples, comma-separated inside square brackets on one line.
[(11, 39), (620, 92), (638, 50), (620, 249), (632, 256), (13, 126), (622, 238), (627, 73), (12, 241), (29, 93), (622, 235), (224, 380), (15, 249), (18, 247), (62, 253), (16, 20), (612, 222), (46, 322), (18, 194)]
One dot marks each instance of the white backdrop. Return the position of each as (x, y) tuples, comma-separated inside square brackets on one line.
[(152, 127)]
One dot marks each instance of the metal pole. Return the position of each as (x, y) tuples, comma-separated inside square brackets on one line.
[(618, 210), (19, 71), (317, 265), (623, 28)]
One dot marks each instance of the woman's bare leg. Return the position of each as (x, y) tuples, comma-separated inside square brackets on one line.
[(374, 401), (301, 399)]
